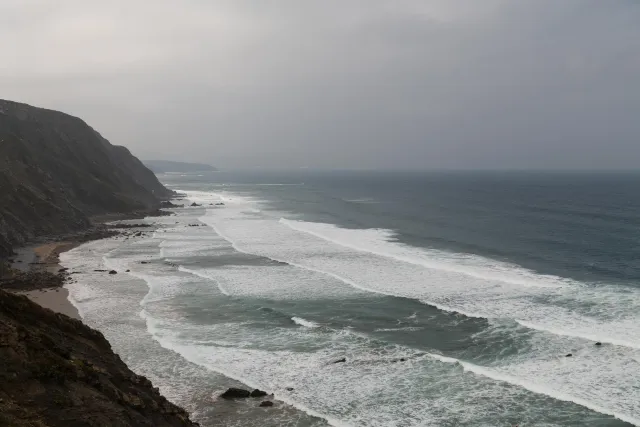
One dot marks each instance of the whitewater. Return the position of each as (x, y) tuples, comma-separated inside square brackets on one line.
[(267, 298)]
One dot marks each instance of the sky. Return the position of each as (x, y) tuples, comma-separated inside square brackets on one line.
[(339, 84)]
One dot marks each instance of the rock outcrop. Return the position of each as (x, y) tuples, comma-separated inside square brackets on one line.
[(56, 371), (56, 172)]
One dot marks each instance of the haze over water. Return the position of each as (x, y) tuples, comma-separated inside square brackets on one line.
[(454, 297)]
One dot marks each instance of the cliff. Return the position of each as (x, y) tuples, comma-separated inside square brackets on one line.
[(56, 371), (56, 172)]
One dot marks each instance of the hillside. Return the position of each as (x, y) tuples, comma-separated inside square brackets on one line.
[(163, 166), (56, 371), (56, 171)]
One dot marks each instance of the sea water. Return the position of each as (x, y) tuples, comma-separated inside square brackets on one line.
[(455, 298)]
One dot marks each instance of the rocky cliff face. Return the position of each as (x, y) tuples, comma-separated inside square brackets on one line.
[(56, 171), (55, 371)]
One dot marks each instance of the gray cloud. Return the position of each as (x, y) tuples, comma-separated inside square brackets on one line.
[(339, 84)]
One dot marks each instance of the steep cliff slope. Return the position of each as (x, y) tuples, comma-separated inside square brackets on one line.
[(55, 371), (56, 171)]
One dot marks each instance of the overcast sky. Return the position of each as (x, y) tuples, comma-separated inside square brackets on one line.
[(414, 84)]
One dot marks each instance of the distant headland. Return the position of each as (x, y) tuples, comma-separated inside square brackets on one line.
[(163, 166)]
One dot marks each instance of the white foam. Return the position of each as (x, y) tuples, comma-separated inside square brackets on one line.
[(306, 323), (322, 260), (205, 276), (372, 260)]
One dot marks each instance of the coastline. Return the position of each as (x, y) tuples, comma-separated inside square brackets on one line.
[(45, 257)]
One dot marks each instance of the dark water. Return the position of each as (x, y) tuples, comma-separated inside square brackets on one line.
[(453, 297)]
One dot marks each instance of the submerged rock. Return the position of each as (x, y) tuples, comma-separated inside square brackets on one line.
[(235, 393)]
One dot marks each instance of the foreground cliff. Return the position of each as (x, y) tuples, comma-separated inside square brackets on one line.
[(55, 371), (56, 172)]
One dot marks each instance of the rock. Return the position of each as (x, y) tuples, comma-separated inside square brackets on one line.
[(138, 234), (195, 204), (100, 271), (569, 355), (113, 272), (168, 205), (235, 393), (289, 388), (60, 372), (266, 404), (258, 393), (598, 343), (343, 360), (62, 270), (127, 271), (144, 262), (220, 204)]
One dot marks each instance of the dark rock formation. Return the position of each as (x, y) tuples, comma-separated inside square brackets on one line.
[(258, 393), (57, 372), (235, 393), (56, 172), (167, 204), (31, 280), (266, 404)]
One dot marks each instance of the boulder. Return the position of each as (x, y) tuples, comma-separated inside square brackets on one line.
[(258, 393), (235, 393), (569, 355), (113, 272), (598, 343), (266, 404)]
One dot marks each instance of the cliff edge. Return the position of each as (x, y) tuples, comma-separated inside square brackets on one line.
[(56, 172), (56, 371)]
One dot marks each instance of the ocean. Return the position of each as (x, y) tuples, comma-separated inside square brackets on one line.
[(456, 299)]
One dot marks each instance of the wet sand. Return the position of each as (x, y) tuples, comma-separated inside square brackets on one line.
[(46, 256), (55, 299)]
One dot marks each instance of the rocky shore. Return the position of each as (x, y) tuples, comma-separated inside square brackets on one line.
[(56, 371), (60, 181)]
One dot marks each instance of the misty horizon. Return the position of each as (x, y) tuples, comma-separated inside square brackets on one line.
[(403, 85)]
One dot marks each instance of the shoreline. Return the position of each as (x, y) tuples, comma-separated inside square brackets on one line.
[(46, 257), (42, 278)]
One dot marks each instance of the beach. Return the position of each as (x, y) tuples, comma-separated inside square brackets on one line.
[(46, 257)]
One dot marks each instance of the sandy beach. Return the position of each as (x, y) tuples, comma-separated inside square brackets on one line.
[(53, 299), (46, 256)]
